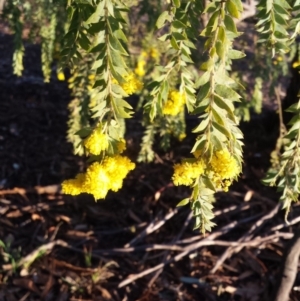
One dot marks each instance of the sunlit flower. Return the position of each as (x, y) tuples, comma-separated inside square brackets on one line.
[(181, 136), (144, 54), (132, 84), (97, 181), (174, 103), (185, 173), (92, 77), (96, 142), (224, 165), (140, 68), (154, 53), (73, 186), (296, 64), (100, 177), (117, 168), (121, 145), (61, 76)]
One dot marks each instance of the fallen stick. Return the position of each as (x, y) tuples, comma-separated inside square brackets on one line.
[(288, 270), (174, 241), (212, 236), (246, 237), (205, 242), (153, 226)]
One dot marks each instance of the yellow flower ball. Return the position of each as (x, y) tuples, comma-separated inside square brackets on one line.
[(121, 145), (96, 142), (224, 165), (73, 186), (174, 104), (185, 173), (61, 76), (132, 84), (140, 68)]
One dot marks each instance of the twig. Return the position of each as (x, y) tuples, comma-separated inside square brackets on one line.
[(153, 226), (41, 250), (147, 248), (185, 225), (50, 189), (246, 237), (212, 236), (284, 225), (230, 226), (288, 269), (205, 242)]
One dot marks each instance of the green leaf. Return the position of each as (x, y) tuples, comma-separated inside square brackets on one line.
[(203, 93), (84, 132), (116, 45), (202, 80), (84, 42), (222, 129), (183, 202), (162, 19), (232, 9), (229, 24), (95, 17), (178, 24), (235, 54), (174, 43), (177, 3), (238, 4), (202, 126), (223, 104), (220, 50)]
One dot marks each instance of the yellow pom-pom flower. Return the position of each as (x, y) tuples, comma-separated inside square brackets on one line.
[(140, 68), (74, 186), (174, 104), (132, 84), (61, 76), (185, 173), (100, 177), (96, 181), (296, 64), (224, 165), (181, 136), (224, 168), (117, 168), (154, 53), (121, 145), (96, 142)]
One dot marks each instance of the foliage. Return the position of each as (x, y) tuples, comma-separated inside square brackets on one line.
[(97, 40)]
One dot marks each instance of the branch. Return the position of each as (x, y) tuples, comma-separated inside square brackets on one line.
[(288, 269)]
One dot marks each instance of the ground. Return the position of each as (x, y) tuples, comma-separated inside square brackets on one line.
[(57, 247)]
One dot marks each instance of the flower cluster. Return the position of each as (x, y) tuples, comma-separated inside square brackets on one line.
[(174, 103), (61, 76), (132, 84), (96, 142), (296, 64), (221, 170), (224, 169), (100, 177), (140, 68), (151, 52), (121, 145), (185, 173)]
